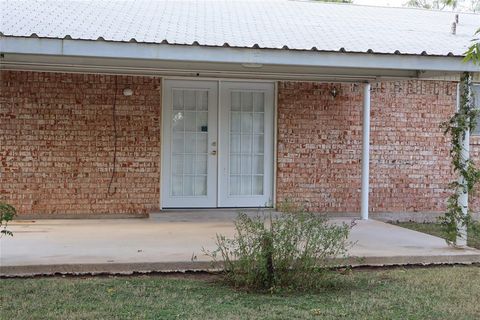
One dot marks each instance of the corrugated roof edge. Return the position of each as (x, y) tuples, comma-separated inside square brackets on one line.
[(227, 45)]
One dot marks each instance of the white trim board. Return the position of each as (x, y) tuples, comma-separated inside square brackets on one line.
[(189, 54)]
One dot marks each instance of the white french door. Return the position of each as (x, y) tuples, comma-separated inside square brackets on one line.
[(189, 170), (246, 158), (217, 152)]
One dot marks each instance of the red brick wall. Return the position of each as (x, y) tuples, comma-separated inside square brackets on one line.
[(56, 143), (319, 140), (319, 146)]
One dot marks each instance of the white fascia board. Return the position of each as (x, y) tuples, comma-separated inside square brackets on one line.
[(107, 49)]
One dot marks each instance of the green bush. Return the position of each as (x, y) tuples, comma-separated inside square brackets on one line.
[(289, 250), (7, 212)]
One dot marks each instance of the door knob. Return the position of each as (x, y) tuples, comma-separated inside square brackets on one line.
[(213, 153)]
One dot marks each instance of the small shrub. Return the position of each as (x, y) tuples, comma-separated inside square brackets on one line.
[(7, 212), (289, 250)]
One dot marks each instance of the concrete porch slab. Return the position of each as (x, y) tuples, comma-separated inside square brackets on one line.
[(173, 241)]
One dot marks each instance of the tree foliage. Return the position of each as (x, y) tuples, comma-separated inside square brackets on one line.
[(433, 4), (470, 5), (462, 121), (473, 53), (7, 212)]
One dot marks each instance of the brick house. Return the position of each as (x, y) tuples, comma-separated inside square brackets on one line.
[(126, 108)]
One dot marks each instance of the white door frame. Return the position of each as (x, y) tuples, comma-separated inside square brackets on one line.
[(217, 84)]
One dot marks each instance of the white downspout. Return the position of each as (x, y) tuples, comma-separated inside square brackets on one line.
[(365, 151)]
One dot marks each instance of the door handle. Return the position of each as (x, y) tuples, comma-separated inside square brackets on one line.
[(213, 153)]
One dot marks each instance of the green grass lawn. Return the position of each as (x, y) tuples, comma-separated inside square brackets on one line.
[(473, 240), (420, 293)]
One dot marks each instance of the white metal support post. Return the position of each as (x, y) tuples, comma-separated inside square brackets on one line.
[(463, 193), (465, 91), (365, 151)]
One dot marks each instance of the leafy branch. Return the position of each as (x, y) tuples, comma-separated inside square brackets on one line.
[(7, 212), (473, 53), (462, 121)]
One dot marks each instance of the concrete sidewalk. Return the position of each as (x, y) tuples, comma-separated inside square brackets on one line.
[(173, 241)]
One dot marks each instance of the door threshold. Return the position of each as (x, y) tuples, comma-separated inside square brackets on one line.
[(215, 209), (205, 214)]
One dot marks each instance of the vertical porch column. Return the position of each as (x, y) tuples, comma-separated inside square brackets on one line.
[(465, 96), (463, 193), (365, 151)]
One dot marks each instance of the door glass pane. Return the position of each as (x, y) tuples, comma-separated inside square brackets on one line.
[(200, 185), (257, 186), (202, 142), (177, 99), (189, 143), (178, 143), (258, 144), (235, 143), (188, 186), (258, 101), (235, 164), (246, 164), (177, 165), (202, 121), (178, 121), (236, 102), (189, 99), (190, 121), (201, 164), (189, 167), (247, 126), (235, 122), (246, 123), (247, 101), (258, 164), (258, 122), (177, 185), (234, 185), (202, 100), (246, 143), (246, 186)]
